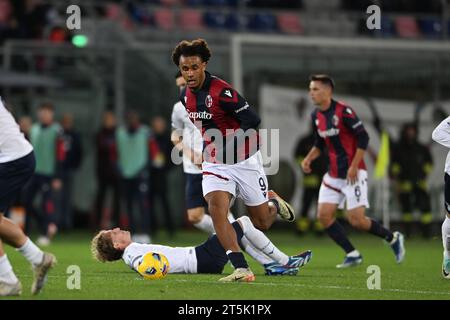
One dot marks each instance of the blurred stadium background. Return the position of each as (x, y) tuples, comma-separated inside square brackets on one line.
[(121, 58)]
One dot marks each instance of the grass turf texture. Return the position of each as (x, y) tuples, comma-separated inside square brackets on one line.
[(418, 277)]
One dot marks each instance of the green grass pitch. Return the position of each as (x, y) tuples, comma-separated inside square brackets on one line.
[(418, 277)]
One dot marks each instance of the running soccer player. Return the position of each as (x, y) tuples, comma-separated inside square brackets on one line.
[(209, 257), (17, 165), (232, 163), (188, 139), (338, 128), (441, 134)]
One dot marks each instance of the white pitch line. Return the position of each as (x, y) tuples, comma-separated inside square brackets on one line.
[(330, 287)]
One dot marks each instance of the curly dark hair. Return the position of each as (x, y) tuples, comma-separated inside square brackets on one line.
[(198, 47)]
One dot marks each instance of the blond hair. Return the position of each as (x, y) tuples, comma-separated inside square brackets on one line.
[(102, 248)]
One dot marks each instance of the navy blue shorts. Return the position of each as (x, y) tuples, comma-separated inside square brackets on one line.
[(211, 256), (194, 192), (13, 176)]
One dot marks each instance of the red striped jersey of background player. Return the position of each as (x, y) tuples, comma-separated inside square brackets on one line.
[(340, 130), (216, 105)]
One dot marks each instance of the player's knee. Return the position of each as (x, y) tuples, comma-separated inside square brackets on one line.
[(217, 210), (356, 221), (325, 218), (261, 224), (195, 215)]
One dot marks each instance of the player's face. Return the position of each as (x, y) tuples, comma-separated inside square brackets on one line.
[(193, 71), (120, 238), (320, 94), (181, 83)]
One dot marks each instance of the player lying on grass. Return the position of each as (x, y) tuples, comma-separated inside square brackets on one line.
[(209, 257)]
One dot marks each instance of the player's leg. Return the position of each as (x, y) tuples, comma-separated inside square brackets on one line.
[(357, 202), (200, 219), (262, 204), (41, 261), (9, 284), (195, 203), (256, 242), (218, 204), (326, 216), (446, 230), (446, 245)]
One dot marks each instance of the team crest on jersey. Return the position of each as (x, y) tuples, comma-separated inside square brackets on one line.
[(208, 101), (335, 120)]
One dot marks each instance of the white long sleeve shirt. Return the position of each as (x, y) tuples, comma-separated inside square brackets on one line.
[(441, 134), (13, 144), (181, 259)]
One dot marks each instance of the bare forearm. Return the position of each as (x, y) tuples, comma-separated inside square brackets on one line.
[(313, 154), (358, 157)]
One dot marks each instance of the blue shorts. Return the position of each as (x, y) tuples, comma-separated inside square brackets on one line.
[(13, 176), (194, 193), (211, 256)]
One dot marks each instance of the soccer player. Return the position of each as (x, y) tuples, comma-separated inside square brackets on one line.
[(17, 164), (232, 163), (188, 139), (441, 134), (338, 128), (209, 257)]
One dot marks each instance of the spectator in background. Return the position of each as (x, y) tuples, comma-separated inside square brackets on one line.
[(410, 167), (161, 149), (47, 142), (107, 170), (72, 161), (133, 146), (310, 183)]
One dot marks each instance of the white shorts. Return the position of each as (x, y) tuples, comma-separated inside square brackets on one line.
[(246, 179), (334, 190)]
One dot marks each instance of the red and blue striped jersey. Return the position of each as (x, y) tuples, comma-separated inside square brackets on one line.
[(341, 132), (219, 110)]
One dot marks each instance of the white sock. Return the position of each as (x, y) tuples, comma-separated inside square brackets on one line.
[(353, 254), (6, 272), (255, 253), (231, 217), (446, 237), (31, 252), (206, 224), (261, 242)]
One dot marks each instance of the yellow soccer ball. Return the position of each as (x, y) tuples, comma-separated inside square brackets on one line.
[(153, 266)]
